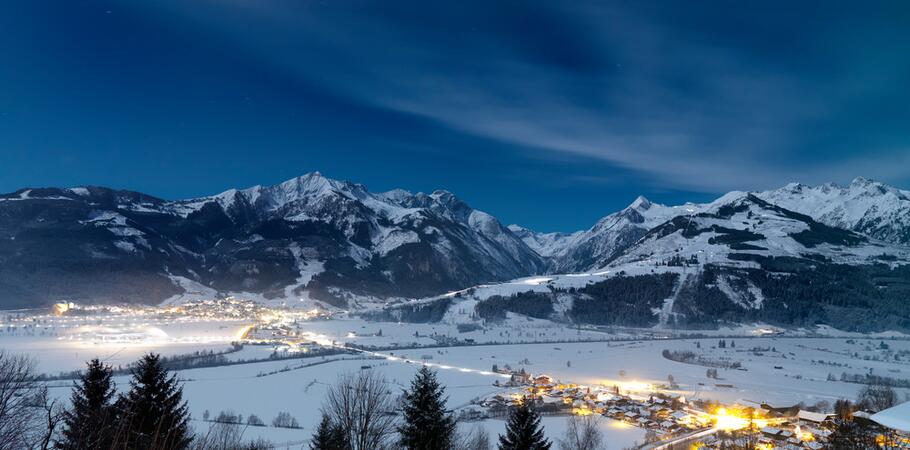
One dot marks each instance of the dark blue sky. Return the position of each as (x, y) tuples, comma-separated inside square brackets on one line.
[(548, 114)]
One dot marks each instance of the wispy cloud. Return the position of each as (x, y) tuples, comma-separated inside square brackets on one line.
[(685, 107)]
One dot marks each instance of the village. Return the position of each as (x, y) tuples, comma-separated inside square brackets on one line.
[(671, 416), (671, 420)]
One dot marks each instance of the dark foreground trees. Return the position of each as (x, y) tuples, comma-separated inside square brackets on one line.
[(90, 421), (359, 413), (152, 414), (523, 431), (426, 423), (328, 436)]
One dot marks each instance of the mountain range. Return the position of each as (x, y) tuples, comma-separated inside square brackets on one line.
[(313, 239)]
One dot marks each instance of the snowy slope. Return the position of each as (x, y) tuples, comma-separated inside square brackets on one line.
[(729, 259), (865, 206), (611, 235), (314, 238), (742, 223), (545, 244), (308, 237)]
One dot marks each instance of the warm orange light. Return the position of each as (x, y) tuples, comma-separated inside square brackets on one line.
[(728, 422), (582, 411)]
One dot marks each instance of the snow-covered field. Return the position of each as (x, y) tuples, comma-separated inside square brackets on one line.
[(776, 370), (66, 349)]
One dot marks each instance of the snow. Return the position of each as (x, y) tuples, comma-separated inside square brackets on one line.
[(299, 386), (114, 222), (897, 417), (545, 244), (126, 246), (27, 195), (192, 291), (864, 203), (308, 268), (617, 435), (392, 239)]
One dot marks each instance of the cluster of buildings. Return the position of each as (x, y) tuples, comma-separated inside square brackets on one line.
[(666, 414), (672, 420), (773, 429), (242, 320)]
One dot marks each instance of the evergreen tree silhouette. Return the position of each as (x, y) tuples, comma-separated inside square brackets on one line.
[(427, 425), (89, 422), (523, 431), (153, 413), (328, 436)]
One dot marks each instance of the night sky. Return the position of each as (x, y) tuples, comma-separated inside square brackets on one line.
[(547, 114)]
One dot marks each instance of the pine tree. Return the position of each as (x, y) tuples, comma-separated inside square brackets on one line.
[(88, 424), (328, 436), (427, 425), (154, 415), (523, 431)]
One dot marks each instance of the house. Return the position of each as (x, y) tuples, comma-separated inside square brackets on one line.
[(896, 418), (679, 416), (813, 417), (519, 379)]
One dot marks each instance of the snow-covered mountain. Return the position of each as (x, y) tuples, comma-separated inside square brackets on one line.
[(611, 235), (741, 222), (309, 237), (865, 206), (314, 238), (738, 259)]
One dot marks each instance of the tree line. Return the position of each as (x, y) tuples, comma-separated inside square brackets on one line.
[(359, 413)]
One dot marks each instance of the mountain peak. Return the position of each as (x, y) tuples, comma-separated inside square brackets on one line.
[(795, 187), (641, 203)]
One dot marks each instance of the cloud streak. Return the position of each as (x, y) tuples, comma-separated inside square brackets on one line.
[(687, 104)]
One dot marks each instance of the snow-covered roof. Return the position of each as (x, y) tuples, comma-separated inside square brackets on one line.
[(812, 416), (897, 417)]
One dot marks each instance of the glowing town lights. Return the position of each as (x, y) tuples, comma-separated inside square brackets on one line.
[(728, 422), (61, 308), (242, 334), (582, 411)]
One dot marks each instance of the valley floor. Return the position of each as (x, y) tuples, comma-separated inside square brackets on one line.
[(775, 370)]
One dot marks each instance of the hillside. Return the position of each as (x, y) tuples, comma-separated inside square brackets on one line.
[(307, 238), (793, 256), (739, 259)]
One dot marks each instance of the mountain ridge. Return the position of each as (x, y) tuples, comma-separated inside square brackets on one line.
[(314, 239)]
